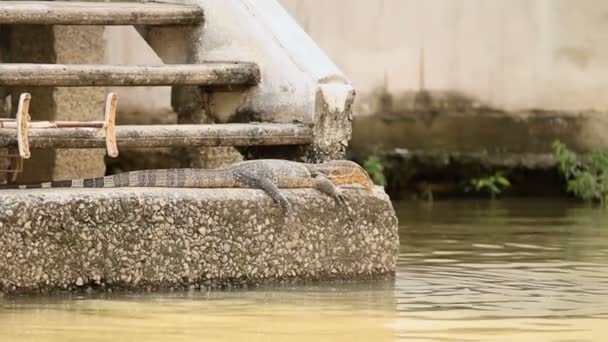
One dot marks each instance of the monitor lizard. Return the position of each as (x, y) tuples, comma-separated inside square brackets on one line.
[(266, 174)]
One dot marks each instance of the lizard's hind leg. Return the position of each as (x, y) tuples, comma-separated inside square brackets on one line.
[(259, 182), (324, 185)]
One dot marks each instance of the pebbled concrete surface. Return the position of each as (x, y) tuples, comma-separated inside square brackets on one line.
[(162, 239)]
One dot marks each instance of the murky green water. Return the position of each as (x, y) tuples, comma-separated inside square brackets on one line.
[(534, 270)]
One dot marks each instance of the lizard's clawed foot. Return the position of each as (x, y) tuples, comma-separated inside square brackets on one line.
[(286, 206), (340, 197)]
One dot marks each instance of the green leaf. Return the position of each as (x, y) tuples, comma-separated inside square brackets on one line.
[(373, 165), (503, 181)]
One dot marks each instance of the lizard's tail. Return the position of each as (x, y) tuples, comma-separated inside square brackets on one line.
[(144, 178), (99, 182)]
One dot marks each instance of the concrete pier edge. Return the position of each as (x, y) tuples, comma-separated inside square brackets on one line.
[(142, 239)]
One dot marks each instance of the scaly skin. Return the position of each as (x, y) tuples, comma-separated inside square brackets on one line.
[(267, 174)]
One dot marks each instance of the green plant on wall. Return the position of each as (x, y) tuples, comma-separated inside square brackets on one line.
[(493, 185), (586, 178), (375, 168)]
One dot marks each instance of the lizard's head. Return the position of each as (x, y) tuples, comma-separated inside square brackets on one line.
[(342, 172)]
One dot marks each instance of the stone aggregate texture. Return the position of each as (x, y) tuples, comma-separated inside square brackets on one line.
[(149, 239)]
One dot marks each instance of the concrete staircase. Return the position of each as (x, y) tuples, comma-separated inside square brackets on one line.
[(278, 107), (127, 13)]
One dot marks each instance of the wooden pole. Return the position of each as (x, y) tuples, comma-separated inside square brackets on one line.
[(166, 136), (77, 75)]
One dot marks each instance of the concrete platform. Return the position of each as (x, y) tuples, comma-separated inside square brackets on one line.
[(153, 239)]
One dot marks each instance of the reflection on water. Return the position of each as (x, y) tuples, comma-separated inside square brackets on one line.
[(526, 270), (533, 270)]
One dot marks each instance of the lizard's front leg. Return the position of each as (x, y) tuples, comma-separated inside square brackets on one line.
[(324, 185), (254, 181)]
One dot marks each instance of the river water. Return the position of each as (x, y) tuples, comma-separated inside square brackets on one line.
[(525, 270)]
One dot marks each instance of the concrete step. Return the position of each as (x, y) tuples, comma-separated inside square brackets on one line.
[(77, 75), (261, 134), (98, 13)]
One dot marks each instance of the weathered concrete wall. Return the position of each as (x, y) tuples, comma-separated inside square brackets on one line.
[(479, 77), (435, 121), (118, 239), (521, 54)]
